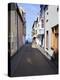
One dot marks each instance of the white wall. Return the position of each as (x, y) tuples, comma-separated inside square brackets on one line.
[(52, 21)]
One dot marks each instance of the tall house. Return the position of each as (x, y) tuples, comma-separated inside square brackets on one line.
[(34, 29), (42, 24), (38, 31), (51, 29), (16, 28)]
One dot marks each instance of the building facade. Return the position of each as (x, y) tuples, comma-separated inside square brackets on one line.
[(16, 28), (42, 28), (38, 31), (51, 30), (35, 31)]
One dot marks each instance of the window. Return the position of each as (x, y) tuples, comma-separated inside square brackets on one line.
[(42, 23), (47, 13), (57, 9), (47, 20), (52, 29), (36, 31), (47, 38)]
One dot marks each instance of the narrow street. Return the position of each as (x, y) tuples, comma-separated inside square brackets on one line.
[(33, 62), (33, 39)]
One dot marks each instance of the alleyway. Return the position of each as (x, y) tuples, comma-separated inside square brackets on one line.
[(32, 62)]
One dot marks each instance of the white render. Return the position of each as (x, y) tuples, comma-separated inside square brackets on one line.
[(39, 31), (52, 21)]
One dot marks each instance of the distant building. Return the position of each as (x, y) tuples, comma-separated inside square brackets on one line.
[(38, 27), (51, 29), (38, 31), (16, 28), (34, 29), (46, 29), (42, 24)]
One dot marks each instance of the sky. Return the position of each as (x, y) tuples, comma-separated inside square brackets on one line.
[(32, 11)]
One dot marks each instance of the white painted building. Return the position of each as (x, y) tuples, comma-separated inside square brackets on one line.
[(51, 20), (38, 32), (40, 35)]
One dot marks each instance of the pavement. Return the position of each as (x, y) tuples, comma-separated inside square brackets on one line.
[(46, 53), (43, 52), (32, 62)]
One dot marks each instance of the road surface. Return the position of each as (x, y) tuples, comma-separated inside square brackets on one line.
[(33, 62)]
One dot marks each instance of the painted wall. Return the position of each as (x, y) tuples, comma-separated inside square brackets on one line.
[(17, 32), (13, 33), (20, 32), (51, 19)]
